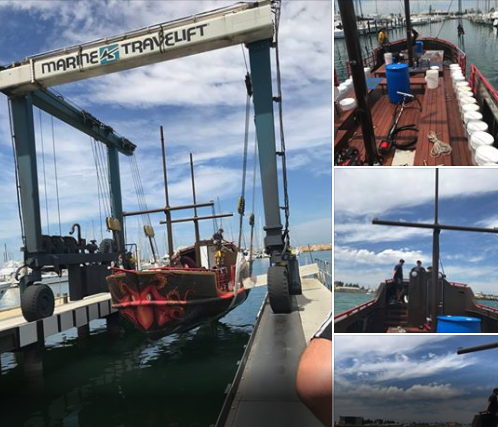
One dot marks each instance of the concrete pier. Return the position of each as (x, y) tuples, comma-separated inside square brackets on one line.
[(263, 392)]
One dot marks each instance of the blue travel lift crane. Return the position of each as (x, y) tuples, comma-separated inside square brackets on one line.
[(27, 83)]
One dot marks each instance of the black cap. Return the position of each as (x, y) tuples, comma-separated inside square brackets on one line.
[(401, 260)]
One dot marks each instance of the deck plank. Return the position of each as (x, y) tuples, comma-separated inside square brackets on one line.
[(439, 114)]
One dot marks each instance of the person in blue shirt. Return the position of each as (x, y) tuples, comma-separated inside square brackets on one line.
[(398, 279)]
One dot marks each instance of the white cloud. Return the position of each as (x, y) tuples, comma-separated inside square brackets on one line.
[(355, 232), (399, 366), (361, 346), (385, 257), (375, 191), (376, 394)]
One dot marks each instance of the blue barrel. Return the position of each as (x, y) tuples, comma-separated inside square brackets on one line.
[(419, 49), (398, 80), (458, 324)]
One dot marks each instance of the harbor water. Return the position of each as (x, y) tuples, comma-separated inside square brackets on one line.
[(481, 45), (344, 301), (177, 381)]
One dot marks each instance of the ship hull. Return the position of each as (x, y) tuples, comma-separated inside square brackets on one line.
[(166, 301)]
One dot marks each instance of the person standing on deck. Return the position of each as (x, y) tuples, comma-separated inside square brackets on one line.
[(492, 407), (383, 39), (418, 267), (398, 279), (414, 34)]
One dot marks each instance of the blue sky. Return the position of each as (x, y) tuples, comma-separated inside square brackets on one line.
[(366, 253), (200, 101), (412, 377)]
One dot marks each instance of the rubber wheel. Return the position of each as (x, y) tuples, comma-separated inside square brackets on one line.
[(278, 290), (37, 302)]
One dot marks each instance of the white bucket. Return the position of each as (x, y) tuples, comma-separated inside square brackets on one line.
[(469, 107), (475, 126), (456, 73), (435, 67), (463, 84), (457, 79), (465, 98), (347, 104), (486, 154), (464, 91), (432, 79), (343, 88), (471, 115), (463, 102), (454, 67), (388, 58), (480, 138)]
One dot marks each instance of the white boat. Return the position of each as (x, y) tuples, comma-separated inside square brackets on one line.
[(4, 286), (495, 23), (8, 271)]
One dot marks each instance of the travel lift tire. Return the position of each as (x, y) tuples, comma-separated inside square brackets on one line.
[(278, 290), (37, 302)]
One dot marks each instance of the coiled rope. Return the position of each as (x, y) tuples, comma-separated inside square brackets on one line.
[(440, 148)]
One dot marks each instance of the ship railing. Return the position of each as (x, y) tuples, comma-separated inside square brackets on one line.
[(324, 273), (488, 308), (221, 278), (354, 310), (487, 97), (461, 285)]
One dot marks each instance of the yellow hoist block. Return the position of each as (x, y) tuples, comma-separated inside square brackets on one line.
[(113, 224), (149, 231)]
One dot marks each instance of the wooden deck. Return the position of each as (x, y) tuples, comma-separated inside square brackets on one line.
[(439, 114)]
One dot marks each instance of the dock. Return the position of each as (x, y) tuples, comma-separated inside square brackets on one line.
[(16, 333), (263, 392)]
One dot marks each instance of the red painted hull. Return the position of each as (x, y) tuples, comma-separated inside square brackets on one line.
[(165, 301)]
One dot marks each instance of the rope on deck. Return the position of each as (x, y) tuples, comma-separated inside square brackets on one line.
[(440, 148)]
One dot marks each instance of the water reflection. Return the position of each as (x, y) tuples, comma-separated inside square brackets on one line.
[(176, 381)]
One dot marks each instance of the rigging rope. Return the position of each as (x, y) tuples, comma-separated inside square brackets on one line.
[(16, 170), (142, 203), (56, 179), (44, 173), (100, 180), (440, 148), (242, 202), (251, 217), (99, 189)]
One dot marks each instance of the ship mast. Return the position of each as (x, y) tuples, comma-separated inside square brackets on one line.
[(364, 115)]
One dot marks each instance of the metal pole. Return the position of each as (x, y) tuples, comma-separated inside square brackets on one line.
[(408, 33), (432, 226), (169, 227), (477, 348), (363, 112), (196, 223), (435, 258)]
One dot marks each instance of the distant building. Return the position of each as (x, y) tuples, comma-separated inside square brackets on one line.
[(350, 421)]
